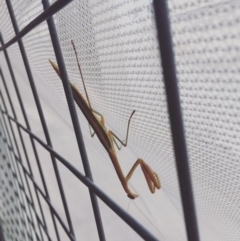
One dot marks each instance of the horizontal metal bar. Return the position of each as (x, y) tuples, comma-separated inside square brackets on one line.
[(38, 188), (54, 8), (134, 224), (44, 125), (41, 192), (18, 171), (23, 206), (14, 81), (35, 212), (21, 187)]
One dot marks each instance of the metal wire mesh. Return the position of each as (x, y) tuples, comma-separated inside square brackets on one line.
[(31, 189), (118, 45)]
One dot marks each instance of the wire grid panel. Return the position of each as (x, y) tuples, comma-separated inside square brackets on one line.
[(119, 57), (116, 87)]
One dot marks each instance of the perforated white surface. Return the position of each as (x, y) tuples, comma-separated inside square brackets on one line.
[(119, 56)]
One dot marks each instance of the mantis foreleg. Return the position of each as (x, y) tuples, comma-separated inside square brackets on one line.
[(126, 139), (150, 176)]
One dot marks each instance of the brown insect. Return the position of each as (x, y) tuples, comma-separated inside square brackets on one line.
[(108, 138)]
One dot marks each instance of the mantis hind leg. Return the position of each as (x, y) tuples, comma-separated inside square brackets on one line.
[(115, 137), (112, 134), (150, 176)]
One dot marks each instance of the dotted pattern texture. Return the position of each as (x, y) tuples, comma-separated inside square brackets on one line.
[(117, 47)]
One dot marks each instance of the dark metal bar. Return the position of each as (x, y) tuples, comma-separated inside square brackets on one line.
[(74, 117), (41, 192), (6, 90), (43, 122), (8, 194), (11, 149), (30, 203), (54, 8), (14, 192), (1, 234), (71, 237), (7, 131), (37, 217), (12, 160), (175, 115), (19, 132), (135, 225), (34, 210)]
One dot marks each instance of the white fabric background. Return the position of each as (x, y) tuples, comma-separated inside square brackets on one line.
[(119, 56)]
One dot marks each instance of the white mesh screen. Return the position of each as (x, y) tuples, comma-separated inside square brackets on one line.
[(119, 56), (206, 39)]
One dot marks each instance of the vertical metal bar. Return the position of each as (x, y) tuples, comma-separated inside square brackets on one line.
[(1, 229), (19, 132), (146, 235), (43, 122), (55, 7), (5, 163), (16, 164), (7, 193), (16, 188), (74, 117), (1, 234), (175, 114)]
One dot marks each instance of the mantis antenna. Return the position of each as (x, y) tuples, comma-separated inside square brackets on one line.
[(108, 138)]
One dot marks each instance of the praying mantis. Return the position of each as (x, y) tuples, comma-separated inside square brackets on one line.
[(108, 138)]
